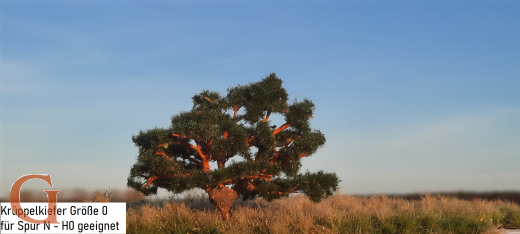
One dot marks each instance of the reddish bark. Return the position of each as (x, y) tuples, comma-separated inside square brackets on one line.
[(235, 110), (150, 180), (267, 116), (162, 153), (177, 135), (275, 155), (222, 198), (281, 128), (205, 166), (250, 139)]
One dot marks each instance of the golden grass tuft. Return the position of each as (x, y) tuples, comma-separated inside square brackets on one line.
[(98, 197)]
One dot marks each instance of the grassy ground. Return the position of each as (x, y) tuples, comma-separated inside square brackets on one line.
[(338, 214), (469, 213)]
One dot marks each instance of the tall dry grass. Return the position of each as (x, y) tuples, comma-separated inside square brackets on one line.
[(337, 214)]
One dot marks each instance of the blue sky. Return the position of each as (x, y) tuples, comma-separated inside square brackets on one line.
[(412, 96)]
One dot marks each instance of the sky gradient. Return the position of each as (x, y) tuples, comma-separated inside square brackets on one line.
[(412, 96)]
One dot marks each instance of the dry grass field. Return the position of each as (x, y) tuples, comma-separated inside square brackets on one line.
[(337, 214), (471, 213)]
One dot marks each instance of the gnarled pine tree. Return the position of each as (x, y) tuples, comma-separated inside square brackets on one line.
[(219, 128)]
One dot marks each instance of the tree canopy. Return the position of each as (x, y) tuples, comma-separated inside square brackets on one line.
[(252, 157)]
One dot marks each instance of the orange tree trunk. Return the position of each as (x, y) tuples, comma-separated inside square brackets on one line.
[(223, 198)]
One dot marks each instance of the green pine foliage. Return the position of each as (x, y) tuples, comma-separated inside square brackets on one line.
[(219, 128)]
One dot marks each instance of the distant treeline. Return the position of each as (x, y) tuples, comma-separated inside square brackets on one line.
[(79, 195), (513, 196)]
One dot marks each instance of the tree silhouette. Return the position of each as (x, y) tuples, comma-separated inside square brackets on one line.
[(265, 159)]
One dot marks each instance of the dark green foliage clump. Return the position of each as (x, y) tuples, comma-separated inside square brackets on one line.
[(219, 128)]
